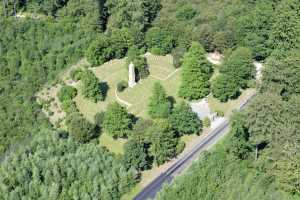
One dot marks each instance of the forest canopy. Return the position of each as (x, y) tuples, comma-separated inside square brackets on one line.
[(39, 39)]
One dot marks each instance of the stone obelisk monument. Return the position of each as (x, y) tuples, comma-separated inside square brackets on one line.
[(131, 78)]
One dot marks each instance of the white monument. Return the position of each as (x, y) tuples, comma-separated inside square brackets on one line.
[(131, 78)]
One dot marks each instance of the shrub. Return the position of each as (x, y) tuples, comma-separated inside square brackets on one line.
[(66, 93), (220, 113), (180, 147), (206, 122), (178, 54), (79, 128), (99, 118), (76, 74), (121, 86), (69, 106)]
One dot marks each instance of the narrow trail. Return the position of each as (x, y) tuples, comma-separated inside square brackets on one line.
[(121, 100), (168, 77)]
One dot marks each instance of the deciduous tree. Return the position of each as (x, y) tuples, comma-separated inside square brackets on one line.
[(163, 142), (79, 128), (135, 155), (117, 121), (184, 120)]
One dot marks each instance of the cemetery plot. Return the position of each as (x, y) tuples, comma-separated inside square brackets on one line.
[(160, 67)]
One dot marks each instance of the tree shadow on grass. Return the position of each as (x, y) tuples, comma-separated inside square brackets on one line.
[(103, 87), (172, 101)]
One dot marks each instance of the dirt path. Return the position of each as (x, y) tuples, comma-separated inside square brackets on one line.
[(121, 100)]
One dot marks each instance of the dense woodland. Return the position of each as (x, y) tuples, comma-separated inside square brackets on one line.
[(260, 158)]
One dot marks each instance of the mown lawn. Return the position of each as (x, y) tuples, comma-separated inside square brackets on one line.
[(114, 146), (114, 71)]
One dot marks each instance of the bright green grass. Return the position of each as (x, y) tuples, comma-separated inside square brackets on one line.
[(114, 146), (114, 71), (111, 72)]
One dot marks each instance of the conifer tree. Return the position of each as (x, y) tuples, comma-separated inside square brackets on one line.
[(91, 87), (195, 74), (159, 106)]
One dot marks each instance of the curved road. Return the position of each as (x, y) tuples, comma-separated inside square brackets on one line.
[(150, 191)]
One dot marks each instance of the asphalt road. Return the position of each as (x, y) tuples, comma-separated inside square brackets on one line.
[(150, 191)]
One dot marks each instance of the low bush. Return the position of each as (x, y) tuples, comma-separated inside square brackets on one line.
[(76, 74), (122, 85), (206, 122), (66, 93)]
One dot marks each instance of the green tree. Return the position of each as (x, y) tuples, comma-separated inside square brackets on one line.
[(135, 155), (287, 169), (140, 128), (221, 41), (286, 28), (254, 30), (62, 168), (79, 128), (140, 62), (206, 37), (159, 41), (184, 120), (76, 74), (264, 119), (178, 54), (159, 105), (195, 74), (163, 142), (99, 51), (117, 121), (131, 14), (224, 88), (239, 140), (91, 87), (186, 12), (66, 93), (121, 40), (99, 119), (239, 66), (90, 15), (282, 75)]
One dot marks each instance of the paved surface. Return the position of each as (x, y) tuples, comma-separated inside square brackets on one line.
[(215, 135)]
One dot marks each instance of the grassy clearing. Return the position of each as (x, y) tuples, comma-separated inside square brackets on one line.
[(114, 146), (114, 71), (160, 68), (111, 72)]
